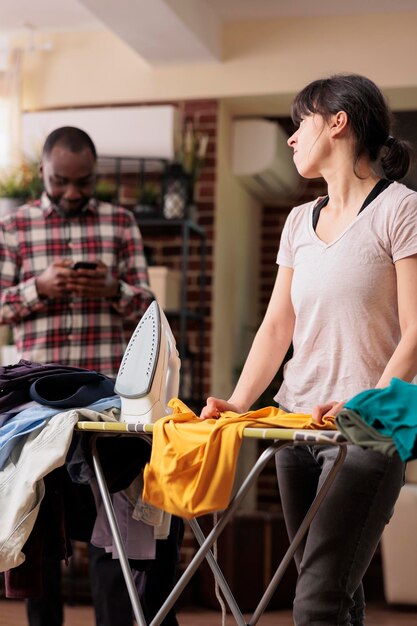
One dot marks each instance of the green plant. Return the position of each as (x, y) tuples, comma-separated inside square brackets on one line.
[(149, 194), (22, 181), (105, 190)]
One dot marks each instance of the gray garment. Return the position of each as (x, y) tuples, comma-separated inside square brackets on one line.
[(357, 431), (137, 537), (345, 532)]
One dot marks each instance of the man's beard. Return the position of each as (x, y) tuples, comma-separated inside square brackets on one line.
[(69, 211)]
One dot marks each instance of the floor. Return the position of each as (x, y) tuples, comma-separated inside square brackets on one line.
[(12, 613)]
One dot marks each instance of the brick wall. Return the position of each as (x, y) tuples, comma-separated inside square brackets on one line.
[(204, 114), (166, 246)]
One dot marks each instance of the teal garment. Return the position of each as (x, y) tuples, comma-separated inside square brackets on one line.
[(392, 411)]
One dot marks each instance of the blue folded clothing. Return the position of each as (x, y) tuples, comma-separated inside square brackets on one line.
[(71, 389)]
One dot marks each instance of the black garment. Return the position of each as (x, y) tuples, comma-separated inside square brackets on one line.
[(16, 379), (71, 389), (161, 576), (377, 189), (122, 458), (108, 589), (47, 610)]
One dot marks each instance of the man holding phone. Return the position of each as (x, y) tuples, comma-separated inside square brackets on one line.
[(58, 313), (84, 265), (72, 272)]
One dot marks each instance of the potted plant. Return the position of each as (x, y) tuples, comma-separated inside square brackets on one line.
[(105, 190), (18, 185), (148, 204)]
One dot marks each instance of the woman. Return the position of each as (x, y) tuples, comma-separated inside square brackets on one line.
[(346, 296)]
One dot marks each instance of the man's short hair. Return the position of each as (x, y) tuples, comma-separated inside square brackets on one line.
[(72, 138)]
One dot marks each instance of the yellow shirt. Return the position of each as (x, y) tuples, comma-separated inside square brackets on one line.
[(193, 461)]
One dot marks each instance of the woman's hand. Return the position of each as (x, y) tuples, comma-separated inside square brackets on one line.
[(330, 409), (215, 406)]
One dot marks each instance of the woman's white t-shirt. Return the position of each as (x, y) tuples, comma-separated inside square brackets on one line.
[(344, 296)]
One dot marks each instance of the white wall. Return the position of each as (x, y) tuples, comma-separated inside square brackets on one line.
[(236, 267), (274, 57)]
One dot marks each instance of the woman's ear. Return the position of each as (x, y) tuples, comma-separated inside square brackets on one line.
[(339, 123)]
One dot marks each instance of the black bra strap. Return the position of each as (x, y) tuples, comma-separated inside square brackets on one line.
[(380, 186)]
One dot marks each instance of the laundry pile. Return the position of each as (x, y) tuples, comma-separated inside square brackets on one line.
[(40, 404)]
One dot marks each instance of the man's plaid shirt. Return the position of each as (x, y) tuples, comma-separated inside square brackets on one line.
[(71, 330)]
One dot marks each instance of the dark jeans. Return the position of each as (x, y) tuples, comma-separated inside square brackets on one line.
[(47, 610), (108, 589), (161, 576), (110, 597), (111, 600), (345, 532)]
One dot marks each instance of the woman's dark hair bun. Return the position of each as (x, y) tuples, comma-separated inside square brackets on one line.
[(396, 157)]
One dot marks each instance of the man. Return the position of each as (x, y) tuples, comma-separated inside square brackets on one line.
[(61, 314), (72, 272)]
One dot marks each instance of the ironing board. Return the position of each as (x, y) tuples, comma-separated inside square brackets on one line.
[(277, 438)]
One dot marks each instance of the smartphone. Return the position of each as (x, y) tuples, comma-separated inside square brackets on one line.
[(84, 265)]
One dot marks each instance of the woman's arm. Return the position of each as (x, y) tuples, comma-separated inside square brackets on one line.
[(403, 363), (267, 352)]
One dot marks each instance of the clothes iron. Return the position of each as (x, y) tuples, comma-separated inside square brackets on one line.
[(148, 376)]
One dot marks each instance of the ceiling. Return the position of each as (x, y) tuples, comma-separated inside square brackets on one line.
[(234, 10), (71, 14), (163, 31)]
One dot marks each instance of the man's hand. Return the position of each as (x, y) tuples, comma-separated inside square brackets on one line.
[(53, 282), (96, 283), (326, 410)]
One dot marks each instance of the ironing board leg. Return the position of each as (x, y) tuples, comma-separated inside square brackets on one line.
[(202, 553), (305, 525), (108, 506), (218, 575)]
